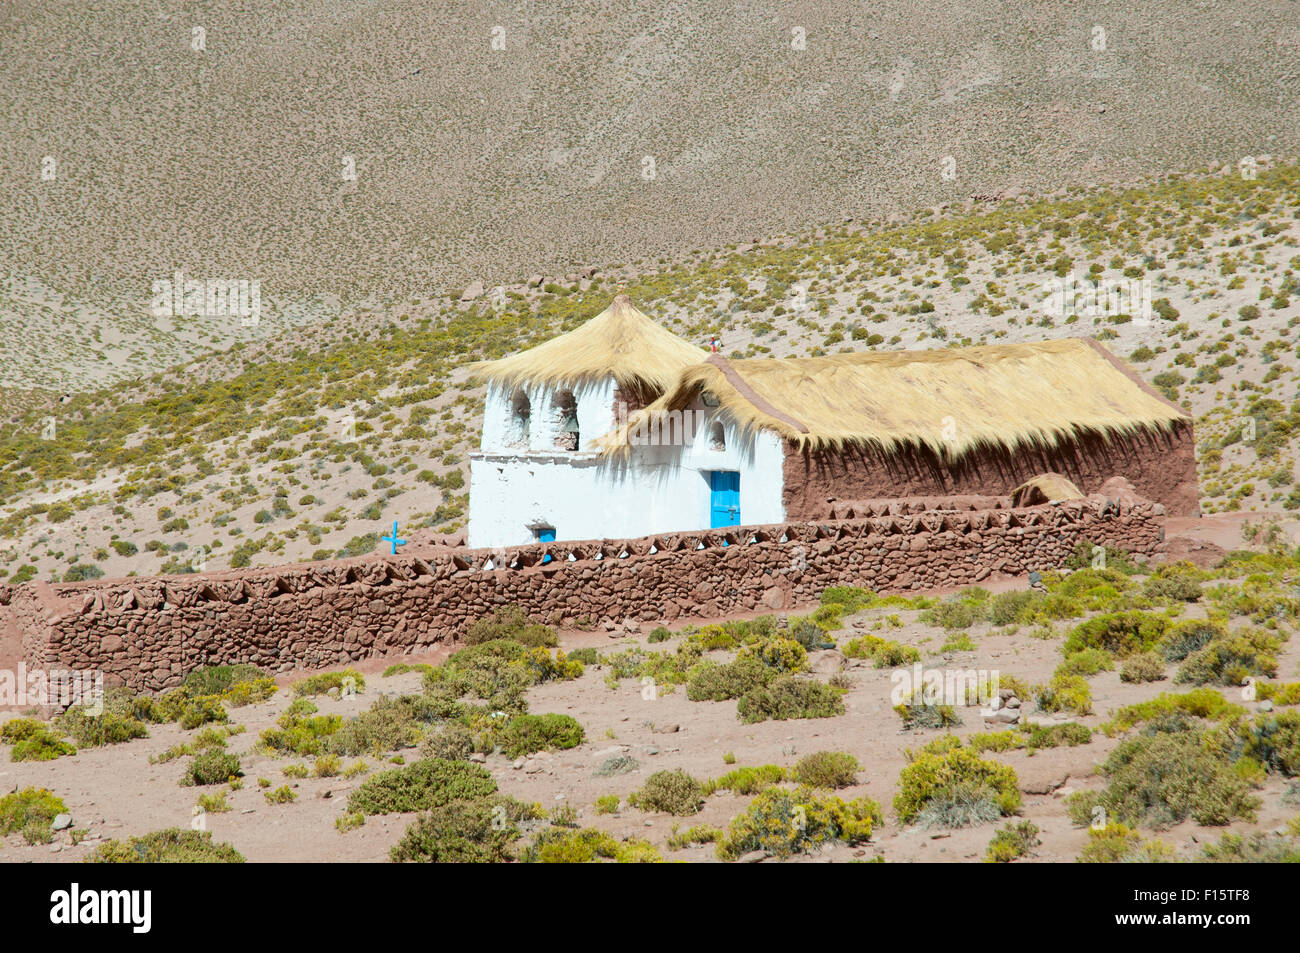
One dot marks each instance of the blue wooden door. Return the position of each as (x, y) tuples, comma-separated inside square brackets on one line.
[(546, 534), (724, 498)]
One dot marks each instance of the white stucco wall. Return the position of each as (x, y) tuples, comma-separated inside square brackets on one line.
[(651, 489), (595, 403)]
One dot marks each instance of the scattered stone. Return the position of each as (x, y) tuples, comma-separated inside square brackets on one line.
[(753, 857), (61, 822)]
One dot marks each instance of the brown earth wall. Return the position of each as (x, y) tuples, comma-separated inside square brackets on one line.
[(148, 632)]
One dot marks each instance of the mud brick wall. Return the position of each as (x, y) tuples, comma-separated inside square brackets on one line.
[(147, 632), (1160, 465)]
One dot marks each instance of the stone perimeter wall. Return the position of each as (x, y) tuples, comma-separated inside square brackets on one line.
[(147, 632)]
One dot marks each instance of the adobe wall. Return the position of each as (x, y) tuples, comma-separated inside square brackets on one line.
[(1161, 466), (147, 632)]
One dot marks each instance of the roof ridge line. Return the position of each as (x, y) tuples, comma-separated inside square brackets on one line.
[(742, 387)]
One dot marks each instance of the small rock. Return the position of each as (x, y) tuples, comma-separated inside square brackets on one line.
[(1013, 702), (669, 729), (1044, 785), (1266, 705), (518, 763), (472, 291), (478, 757), (61, 822), (753, 857)]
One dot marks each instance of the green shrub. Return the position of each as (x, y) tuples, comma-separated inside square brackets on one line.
[(849, 599), (212, 767), (607, 804), (451, 743), (281, 795), (1184, 638), (300, 733), (170, 846), (525, 734), (723, 682), (390, 724), (33, 741), (895, 655), (921, 715), (960, 776), (1123, 633), (1007, 608), (1086, 662), (1179, 582), (1013, 841), (790, 697), (510, 622), (459, 832), (1065, 693), (783, 655), (1160, 780), (1143, 667), (324, 682), (218, 679), (748, 780), (827, 769), (588, 656), (1272, 739), (1119, 843), (953, 614), (1229, 660), (1069, 733), (1255, 848), (669, 792), (1199, 703), (30, 811), (588, 846), (107, 728), (783, 822), (421, 786), (616, 765)]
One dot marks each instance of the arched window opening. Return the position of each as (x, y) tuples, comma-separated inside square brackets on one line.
[(717, 437), (520, 413), (566, 421)]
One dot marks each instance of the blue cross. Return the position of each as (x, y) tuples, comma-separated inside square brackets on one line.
[(394, 539)]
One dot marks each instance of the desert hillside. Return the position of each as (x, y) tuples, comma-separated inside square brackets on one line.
[(294, 446), (343, 152)]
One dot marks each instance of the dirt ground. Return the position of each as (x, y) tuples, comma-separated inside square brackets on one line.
[(114, 791)]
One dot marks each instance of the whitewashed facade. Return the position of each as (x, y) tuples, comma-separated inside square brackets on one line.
[(535, 475)]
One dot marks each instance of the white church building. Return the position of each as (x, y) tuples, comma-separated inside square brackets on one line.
[(621, 429), (540, 474)]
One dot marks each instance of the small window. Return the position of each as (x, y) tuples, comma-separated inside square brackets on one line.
[(717, 437), (517, 430), (565, 409)]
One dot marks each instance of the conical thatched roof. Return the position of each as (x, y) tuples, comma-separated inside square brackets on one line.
[(951, 400), (620, 342)]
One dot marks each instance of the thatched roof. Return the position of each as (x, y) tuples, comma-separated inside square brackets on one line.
[(1045, 488), (951, 400), (620, 342)]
